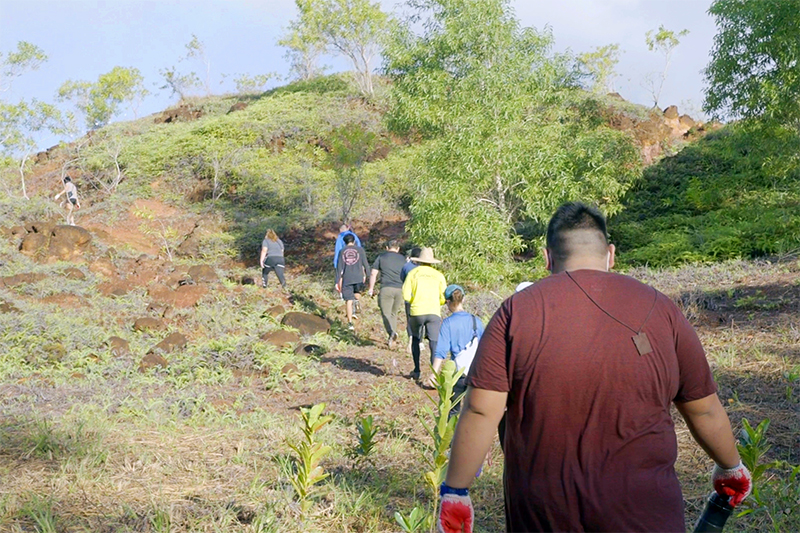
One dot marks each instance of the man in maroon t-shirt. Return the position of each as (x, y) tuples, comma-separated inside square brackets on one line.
[(587, 364)]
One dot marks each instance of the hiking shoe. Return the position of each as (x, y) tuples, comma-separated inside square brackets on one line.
[(415, 375), (392, 340), (351, 327)]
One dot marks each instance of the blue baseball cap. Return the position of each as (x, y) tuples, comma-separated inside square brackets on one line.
[(448, 292)]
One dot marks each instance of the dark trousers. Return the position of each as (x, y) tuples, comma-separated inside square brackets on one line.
[(430, 324), (273, 264)]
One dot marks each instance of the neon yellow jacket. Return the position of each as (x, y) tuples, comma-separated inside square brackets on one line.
[(424, 290)]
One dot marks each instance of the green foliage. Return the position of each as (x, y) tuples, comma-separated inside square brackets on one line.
[(417, 520), (510, 136), (663, 42), (754, 69), (27, 56), (351, 28), (99, 102), (732, 194), (309, 454), (600, 65), (367, 431), (248, 84), (774, 496), (351, 147)]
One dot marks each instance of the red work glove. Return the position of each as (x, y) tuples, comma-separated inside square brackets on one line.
[(735, 483), (456, 514)]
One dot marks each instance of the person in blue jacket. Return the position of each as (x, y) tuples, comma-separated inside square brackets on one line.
[(344, 229)]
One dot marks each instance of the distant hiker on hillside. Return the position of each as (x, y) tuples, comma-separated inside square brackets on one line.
[(424, 290), (408, 267), (351, 274), (458, 339), (588, 364), (390, 299), (344, 229), (72, 199), (272, 258)]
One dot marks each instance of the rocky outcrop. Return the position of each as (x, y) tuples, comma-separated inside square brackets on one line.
[(280, 337)]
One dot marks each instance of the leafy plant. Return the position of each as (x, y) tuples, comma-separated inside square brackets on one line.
[(367, 431), (310, 453), (417, 520)]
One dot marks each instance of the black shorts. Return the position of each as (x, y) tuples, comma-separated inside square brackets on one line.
[(349, 291), (73, 201)]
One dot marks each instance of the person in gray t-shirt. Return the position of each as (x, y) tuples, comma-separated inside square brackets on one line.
[(390, 299), (272, 258)]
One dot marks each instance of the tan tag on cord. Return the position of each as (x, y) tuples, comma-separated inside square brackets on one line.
[(642, 343)]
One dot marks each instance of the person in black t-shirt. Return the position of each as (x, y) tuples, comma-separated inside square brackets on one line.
[(390, 298), (352, 271)]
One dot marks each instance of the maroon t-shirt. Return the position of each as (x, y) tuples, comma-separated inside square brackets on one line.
[(590, 444)]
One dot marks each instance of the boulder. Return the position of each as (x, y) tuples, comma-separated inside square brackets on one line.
[(687, 122), (114, 288), (158, 309), (148, 323), (188, 295), (173, 341), (280, 337), (103, 266), (32, 243), (152, 360), (290, 370), (306, 323), (203, 274), (248, 280), (40, 227), (671, 112), (118, 345), (67, 242), (275, 311), (17, 231), (74, 273)]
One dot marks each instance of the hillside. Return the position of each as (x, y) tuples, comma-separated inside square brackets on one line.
[(148, 383)]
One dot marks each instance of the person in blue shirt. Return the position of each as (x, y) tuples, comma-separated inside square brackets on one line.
[(344, 229), (458, 338)]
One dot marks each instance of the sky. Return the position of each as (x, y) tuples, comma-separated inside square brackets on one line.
[(86, 38)]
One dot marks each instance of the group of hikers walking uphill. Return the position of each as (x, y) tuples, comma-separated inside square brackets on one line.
[(576, 372)]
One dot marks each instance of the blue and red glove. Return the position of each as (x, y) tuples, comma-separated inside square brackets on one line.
[(735, 483), (456, 514)]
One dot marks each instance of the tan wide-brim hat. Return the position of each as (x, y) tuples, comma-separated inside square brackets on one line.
[(425, 256)]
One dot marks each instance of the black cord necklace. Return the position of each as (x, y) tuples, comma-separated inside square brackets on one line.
[(640, 339)]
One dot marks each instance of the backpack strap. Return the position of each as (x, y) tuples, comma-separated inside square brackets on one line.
[(474, 326)]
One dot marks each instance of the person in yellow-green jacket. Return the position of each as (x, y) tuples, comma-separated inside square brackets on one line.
[(423, 289)]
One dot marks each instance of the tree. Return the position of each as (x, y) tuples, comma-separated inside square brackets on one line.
[(254, 84), (351, 147), (352, 28), (754, 69), (27, 56), (100, 101), (195, 49), (304, 43), (600, 65), (507, 142), (663, 42), (180, 84)]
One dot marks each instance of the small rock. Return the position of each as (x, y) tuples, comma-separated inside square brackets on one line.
[(104, 267), (188, 295), (152, 360), (280, 337), (306, 323), (308, 349), (118, 345), (671, 112), (16, 231), (290, 370), (203, 274), (148, 323), (248, 280), (74, 273), (174, 341), (19, 279), (158, 309), (275, 311), (55, 351)]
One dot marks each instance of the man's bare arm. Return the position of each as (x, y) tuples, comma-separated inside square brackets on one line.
[(476, 428), (711, 428), (373, 277)]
